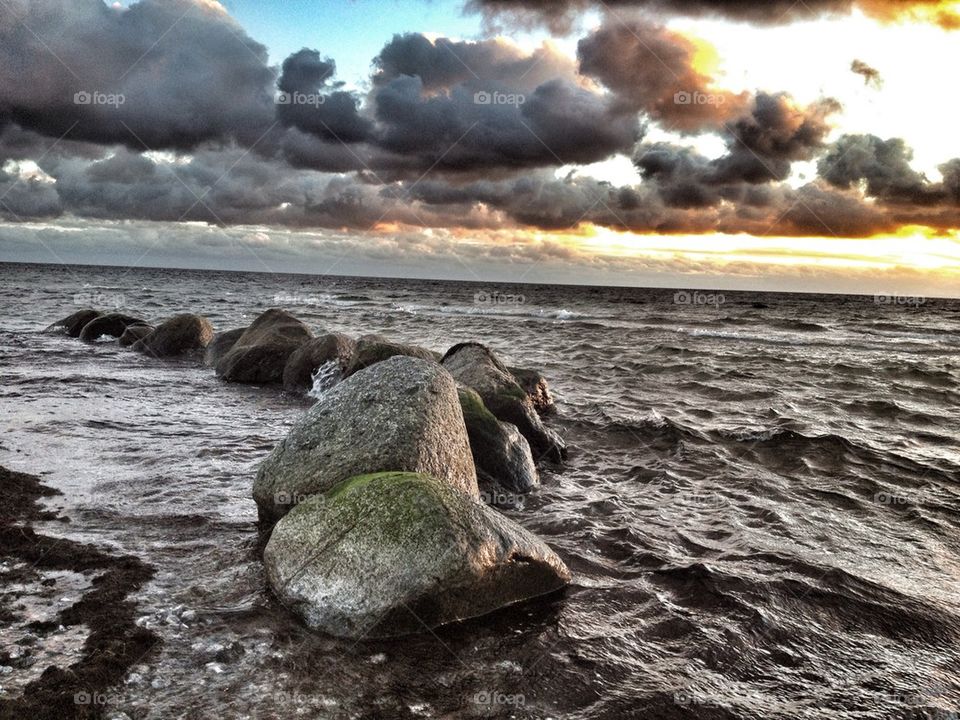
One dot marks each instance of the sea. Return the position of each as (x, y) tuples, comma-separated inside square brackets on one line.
[(760, 507)]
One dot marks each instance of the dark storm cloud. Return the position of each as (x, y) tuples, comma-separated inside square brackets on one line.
[(468, 106), (883, 166), (165, 73), (450, 134), (308, 102), (560, 15), (761, 147), (650, 69)]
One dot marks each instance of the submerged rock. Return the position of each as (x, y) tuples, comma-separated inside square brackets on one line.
[(220, 345), (501, 454), (306, 359), (372, 349), (475, 366), (261, 352), (73, 324), (401, 414), (176, 336), (535, 386), (395, 553), (112, 324), (134, 333)]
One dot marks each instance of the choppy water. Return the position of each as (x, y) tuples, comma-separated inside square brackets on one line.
[(761, 505)]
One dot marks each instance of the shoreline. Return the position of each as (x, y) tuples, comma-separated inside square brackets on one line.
[(114, 643)]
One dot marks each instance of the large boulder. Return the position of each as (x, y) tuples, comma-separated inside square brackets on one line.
[(221, 344), (534, 384), (112, 324), (262, 351), (73, 324), (372, 349), (309, 357), (500, 452), (396, 553), (400, 414), (134, 333), (178, 335), (476, 367)]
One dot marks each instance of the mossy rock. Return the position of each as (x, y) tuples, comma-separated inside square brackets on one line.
[(400, 414), (475, 366), (502, 455), (394, 553), (372, 349)]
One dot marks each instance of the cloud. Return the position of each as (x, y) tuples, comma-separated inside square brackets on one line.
[(871, 76), (561, 15), (883, 166), (650, 69), (449, 135), (167, 74)]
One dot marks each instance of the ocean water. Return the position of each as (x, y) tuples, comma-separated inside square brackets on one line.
[(761, 507)]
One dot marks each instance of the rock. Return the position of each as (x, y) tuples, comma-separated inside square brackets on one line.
[(535, 386), (113, 324), (178, 335), (401, 414), (372, 349), (500, 452), (73, 324), (476, 367), (221, 344), (261, 352), (395, 553), (306, 359), (134, 333)]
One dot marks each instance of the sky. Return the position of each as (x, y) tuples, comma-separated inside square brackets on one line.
[(803, 145)]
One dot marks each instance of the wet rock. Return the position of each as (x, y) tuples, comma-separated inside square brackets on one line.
[(112, 324), (178, 335), (535, 386), (372, 349), (134, 333), (501, 454), (220, 345), (395, 553), (73, 324), (401, 414), (309, 357), (476, 367), (261, 352)]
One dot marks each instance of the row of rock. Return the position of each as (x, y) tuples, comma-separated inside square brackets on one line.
[(372, 501)]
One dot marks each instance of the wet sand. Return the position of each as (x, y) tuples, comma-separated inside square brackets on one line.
[(31, 561)]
